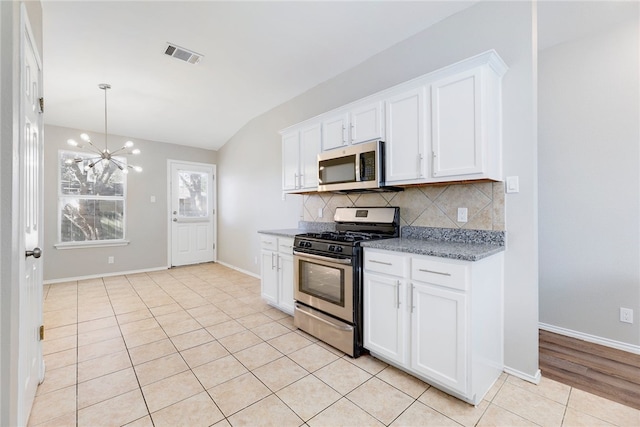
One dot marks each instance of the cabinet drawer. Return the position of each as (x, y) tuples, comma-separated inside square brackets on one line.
[(285, 245), (440, 273), (268, 242), (384, 262)]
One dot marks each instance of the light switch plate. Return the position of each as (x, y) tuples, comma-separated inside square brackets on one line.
[(513, 184)]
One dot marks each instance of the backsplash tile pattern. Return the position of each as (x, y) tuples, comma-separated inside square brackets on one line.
[(423, 206)]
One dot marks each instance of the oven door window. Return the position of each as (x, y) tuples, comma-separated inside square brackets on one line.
[(321, 281)]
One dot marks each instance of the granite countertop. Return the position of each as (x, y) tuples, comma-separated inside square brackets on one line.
[(462, 244), (303, 227), (287, 232)]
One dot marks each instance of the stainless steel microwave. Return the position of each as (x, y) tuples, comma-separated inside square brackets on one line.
[(353, 168)]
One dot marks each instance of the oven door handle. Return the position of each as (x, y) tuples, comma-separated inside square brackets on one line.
[(344, 261)]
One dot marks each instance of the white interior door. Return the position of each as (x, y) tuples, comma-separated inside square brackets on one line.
[(30, 360), (192, 218)]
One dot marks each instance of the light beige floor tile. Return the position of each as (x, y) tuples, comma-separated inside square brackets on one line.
[(258, 355), (173, 317), (287, 322), (266, 412), (154, 350), (192, 339), (141, 422), (495, 388), (196, 411), (288, 343), (203, 310), (547, 387), (531, 406), (238, 393), (96, 312), (170, 390), (134, 316), (402, 381), (213, 373), (119, 410), (204, 353), (381, 400), (604, 409), (212, 319), (50, 346), (160, 368), (102, 348), (168, 306), (343, 413), (456, 409), (575, 418), (57, 379), (240, 341), (368, 363), (419, 415), (67, 420), (100, 366), (98, 335), (106, 387), (53, 405), (275, 314), (93, 325), (181, 327), (225, 329), (342, 376), (57, 318), (60, 332), (495, 416), (308, 396), (145, 337), (313, 357), (270, 330), (253, 320), (279, 373), (138, 326), (61, 358)]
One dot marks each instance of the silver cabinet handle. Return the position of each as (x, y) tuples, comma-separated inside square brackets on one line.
[(36, 253), (380, 262), (272, 263), (434, 272), (419, 164), (411, 301), (398, 294)]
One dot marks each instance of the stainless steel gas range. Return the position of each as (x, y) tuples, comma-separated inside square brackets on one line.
[(328, 275)]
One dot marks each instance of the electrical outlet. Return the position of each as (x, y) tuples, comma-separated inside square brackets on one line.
[(255, 260), (319, 212), (626, 315), (110, 260), (462, 214)]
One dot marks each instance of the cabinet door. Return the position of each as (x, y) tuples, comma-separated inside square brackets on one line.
[(366, 123), (405, 140), (269, 276), (285, 283), (310, 146), (457, 124), (290, 160), (439, 335), (334, 131), (384, 317)]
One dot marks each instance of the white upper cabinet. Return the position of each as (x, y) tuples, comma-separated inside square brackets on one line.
[(443, 126), (334, 131), (366, 122), (300, 150), (405, 144)]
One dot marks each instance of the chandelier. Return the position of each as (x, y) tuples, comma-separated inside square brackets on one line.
[(104, 155)]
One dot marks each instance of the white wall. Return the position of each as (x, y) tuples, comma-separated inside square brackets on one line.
[(250, 163), (146, 222), (590, 182)]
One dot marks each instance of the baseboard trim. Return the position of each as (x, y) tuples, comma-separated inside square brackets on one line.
[(233, 267), (535, 379), (97, 276), (635, 349)]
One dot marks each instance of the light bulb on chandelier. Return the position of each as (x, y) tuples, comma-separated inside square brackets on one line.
[(104, 154)]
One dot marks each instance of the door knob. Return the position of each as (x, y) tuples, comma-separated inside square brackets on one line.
[(36, 253)]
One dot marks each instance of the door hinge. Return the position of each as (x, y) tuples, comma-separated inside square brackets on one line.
[(41, 104), (214, 246), (41, 332)]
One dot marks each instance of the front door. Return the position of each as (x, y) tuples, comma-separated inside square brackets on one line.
[(30, 360), (192, 216)]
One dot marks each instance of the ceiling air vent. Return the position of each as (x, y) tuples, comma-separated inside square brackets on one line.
[(182, 54)]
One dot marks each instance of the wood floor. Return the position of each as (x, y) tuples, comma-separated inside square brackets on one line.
[(607, 372)]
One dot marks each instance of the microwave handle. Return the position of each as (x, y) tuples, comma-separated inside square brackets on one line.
[(360, 168)]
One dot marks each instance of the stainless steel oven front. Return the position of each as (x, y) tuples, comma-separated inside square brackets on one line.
[(324, 283)]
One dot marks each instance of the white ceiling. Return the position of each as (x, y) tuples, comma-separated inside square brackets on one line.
[(257, 55)]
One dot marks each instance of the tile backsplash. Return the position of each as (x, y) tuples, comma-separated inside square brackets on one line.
[(422, 206)]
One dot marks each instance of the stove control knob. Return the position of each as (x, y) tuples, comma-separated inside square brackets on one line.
[(307, 244), (338, 248), (301, 244), (332, 248)]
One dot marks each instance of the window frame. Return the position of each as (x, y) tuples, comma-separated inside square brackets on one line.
[(123, 198)]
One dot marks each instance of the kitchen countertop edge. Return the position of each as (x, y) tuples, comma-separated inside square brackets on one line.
[(287, 232), (451, 250)]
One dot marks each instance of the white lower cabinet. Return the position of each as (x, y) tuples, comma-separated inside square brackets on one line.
[(276, 285), (436, 318)]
